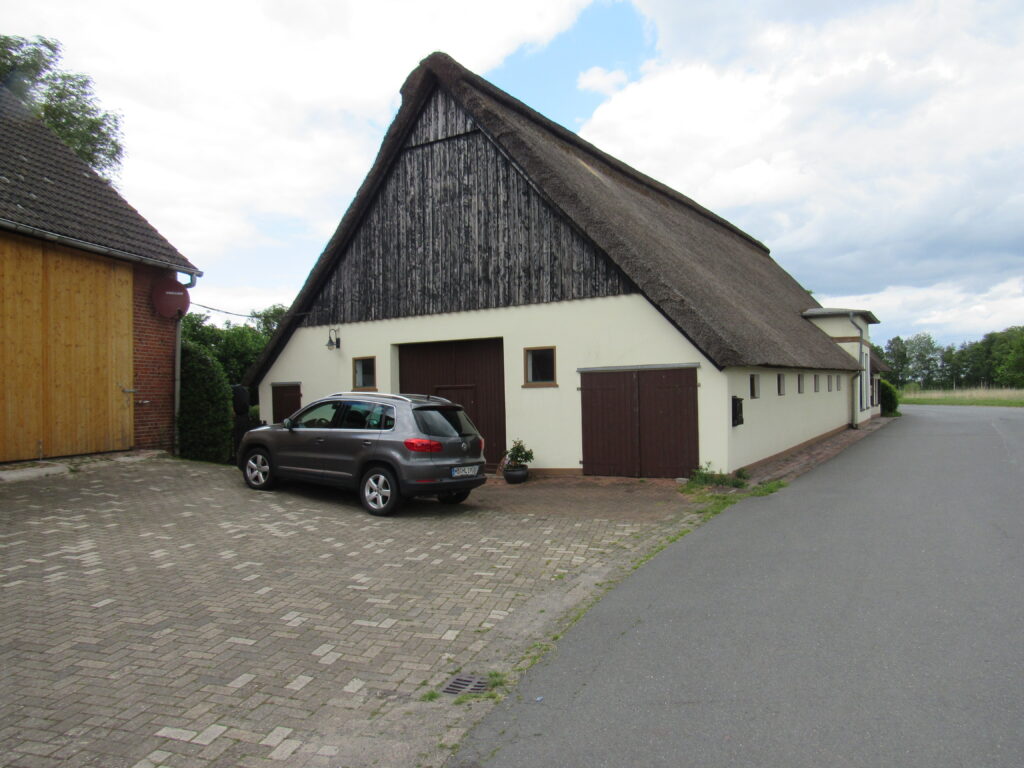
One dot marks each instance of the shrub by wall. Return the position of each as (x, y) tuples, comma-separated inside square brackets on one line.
[(889, 398), (205, 415)]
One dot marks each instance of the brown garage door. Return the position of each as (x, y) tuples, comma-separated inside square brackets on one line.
[(470, 373), (640, 423)]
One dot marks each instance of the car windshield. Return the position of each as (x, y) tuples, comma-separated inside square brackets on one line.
[(444, 422)]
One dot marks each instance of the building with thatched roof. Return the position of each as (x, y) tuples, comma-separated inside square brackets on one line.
[(87, 358), (613, 324)]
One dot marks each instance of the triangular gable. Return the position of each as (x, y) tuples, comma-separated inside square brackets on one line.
[(454, 226)]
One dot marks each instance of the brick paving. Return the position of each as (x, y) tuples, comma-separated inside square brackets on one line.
[(160, 613)]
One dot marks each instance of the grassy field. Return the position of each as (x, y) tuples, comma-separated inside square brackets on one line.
[(1004, 397)]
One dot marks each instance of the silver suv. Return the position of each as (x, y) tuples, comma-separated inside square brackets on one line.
[(387, 447)]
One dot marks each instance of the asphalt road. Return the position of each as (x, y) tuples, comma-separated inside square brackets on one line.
[(871, 614)]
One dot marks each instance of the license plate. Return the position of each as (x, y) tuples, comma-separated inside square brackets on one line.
[(464, 471)]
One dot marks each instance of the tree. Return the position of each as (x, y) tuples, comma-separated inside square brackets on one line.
[(897, 358), (235, 347), (923, 360), (268, 319), (1008, 357), (64, 101)]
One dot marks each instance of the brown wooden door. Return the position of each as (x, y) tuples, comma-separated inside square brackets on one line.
[(470, 373), (668, 422), (287, 399), (66, 360), (611, 440), (640, 423)]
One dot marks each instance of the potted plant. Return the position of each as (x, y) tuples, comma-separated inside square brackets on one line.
[(514, 464)]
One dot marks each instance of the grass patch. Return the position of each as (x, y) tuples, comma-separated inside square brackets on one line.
[(986, 396), (704, 477), (430, 696)]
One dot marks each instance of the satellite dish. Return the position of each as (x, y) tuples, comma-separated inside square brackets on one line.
[(170, 298)]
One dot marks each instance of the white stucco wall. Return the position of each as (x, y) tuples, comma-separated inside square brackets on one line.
[(588, 333), (856, 332), (773, 423)]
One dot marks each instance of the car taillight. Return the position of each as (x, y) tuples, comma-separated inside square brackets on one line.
[(481, 446), (420, 445)]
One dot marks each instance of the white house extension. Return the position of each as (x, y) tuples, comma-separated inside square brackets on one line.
[(614, 325)]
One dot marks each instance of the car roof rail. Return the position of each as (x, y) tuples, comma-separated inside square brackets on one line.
[(372, 394), (438, 398)]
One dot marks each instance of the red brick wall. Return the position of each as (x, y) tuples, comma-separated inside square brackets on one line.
[(154, 364)]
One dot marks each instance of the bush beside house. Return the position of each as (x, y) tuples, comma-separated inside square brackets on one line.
[(205, 413)]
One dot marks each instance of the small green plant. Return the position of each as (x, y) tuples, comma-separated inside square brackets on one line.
[(704, 476), (518, 455), (429, 696)]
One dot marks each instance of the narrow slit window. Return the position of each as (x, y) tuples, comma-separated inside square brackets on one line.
[(799, 383), (364, 374), (830, 382), (539, 367), (817, 383), (755, 386), (782, 384)]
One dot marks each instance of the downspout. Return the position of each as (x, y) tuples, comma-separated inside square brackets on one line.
[(177, 376), (854, 412)]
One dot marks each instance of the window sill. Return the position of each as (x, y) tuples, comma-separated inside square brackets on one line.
[(540, 385)]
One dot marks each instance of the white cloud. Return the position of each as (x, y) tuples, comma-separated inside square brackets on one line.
[(946, 310), (853, 140), (248, 122), (600, 80)]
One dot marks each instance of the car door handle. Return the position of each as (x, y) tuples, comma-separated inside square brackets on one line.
[(320, 440), (367, 443)]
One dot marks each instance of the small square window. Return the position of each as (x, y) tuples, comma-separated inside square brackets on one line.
[(799, 383), (755, 386), (817, 383), (364, 374), (781, 383), (539, 367)]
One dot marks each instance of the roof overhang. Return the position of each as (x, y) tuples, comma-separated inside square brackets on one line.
[(837, 312)]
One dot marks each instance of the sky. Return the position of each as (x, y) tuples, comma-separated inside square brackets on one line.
[(877, 148)]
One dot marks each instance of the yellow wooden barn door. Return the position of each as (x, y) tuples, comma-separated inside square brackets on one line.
[(66, 336)]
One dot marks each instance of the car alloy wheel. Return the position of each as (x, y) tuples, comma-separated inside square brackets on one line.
[(259, 473), (379, 492)]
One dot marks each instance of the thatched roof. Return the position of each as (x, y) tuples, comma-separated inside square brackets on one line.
[(715, 283), (47, 191)]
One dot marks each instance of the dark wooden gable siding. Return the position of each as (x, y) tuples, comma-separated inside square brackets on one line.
[(457, 227)]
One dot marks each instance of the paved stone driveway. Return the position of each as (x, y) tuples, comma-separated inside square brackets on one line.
[(161, 613)]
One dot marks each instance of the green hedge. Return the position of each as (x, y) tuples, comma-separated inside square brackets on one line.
[(890, 398), (205, 414)]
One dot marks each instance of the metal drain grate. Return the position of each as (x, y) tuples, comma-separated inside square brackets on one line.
[(467, 684)]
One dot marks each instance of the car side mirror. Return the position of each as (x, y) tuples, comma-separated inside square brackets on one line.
[(287, 423)]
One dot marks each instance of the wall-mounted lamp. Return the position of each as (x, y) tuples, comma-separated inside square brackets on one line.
[(333, 339)]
